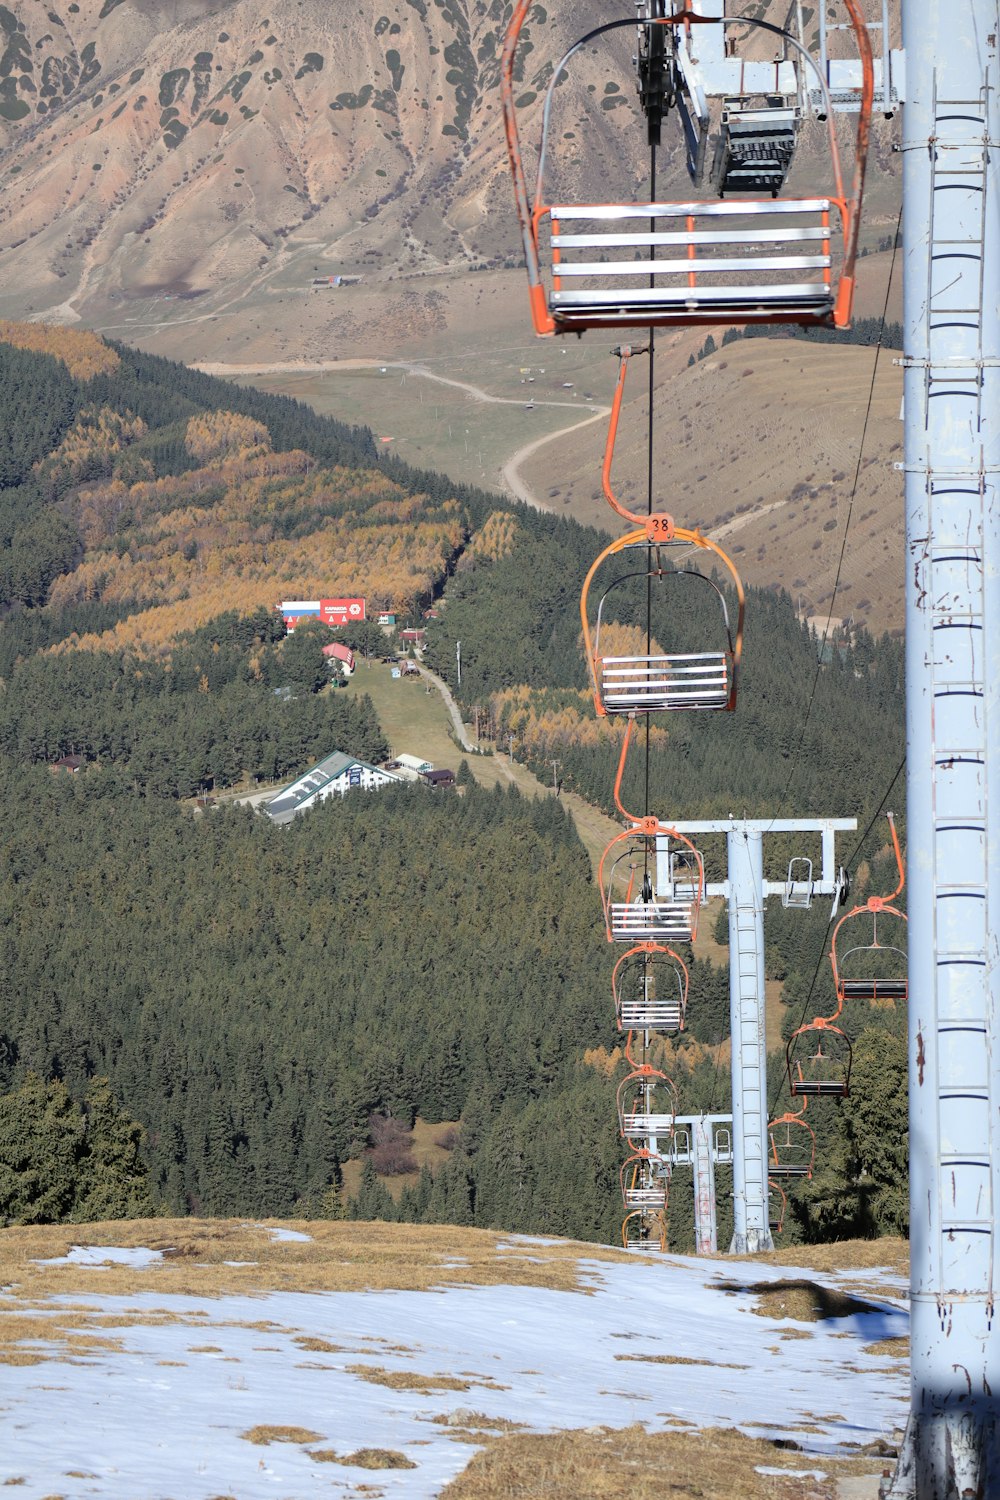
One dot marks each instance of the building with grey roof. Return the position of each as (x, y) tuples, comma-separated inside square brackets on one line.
[(334, 776)]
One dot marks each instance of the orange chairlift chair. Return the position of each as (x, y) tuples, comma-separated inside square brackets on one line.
[(650, 988), (791, 1145), (647, 1107), (818, 1055), (875, 970), (652, 884), (645, 1180), (645, 1229), (651, 264), (660, 680), (777, 1206)]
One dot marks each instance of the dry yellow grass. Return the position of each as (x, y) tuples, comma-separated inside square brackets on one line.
[(844, 1255), (202, 1258), (263, 1434), (402, 1380), (897, 1348), (470, 1424), (365, 1458), (196, 1256), (678, 1359), (605, 1465)]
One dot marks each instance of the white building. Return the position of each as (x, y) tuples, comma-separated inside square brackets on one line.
[(335, 776), (410, 767)]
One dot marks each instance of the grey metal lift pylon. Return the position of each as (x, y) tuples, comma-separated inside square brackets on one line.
[(951, 388), (745, 891), (703, 1142)]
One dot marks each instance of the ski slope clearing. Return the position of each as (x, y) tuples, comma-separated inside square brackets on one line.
[(181, 1386)]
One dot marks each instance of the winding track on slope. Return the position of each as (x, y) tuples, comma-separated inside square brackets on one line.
[(510, 471)]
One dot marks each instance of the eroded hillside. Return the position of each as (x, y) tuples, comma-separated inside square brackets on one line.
[(206, 152)]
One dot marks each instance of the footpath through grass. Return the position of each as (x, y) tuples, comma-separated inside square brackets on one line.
[(415, 720)]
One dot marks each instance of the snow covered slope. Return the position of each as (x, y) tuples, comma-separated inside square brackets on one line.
[(156, 1397)]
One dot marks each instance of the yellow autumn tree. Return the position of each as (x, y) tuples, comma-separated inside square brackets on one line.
[(215, 436), (84, 354)]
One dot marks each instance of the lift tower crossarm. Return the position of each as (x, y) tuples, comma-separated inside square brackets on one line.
[(744, 890), (829, 881)]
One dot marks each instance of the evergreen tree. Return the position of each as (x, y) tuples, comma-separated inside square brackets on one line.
[(41, 1141), (112, 1180), (373, 1201)]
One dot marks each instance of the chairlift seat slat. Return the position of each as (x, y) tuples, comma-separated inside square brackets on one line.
[(658, 1015), (645, 1197), (665, 237), (780, 207), (874, 989), (635, 1123), (686, 267), (622, 300), (810, 1086), (654, 683)]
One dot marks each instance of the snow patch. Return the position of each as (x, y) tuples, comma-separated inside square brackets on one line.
[(104, 1255)]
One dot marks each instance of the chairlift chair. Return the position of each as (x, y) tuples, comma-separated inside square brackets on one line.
[(791, 1146), (650, 987), (697, 262), (647, 1107), (645, 1229), (855, 969), (874, 970), (723, 1143), (655, 682), (755, 145), (818, 1055), (777, 1206), (645, 1181), (799, 884), (666, 680), (652, 884), (818, 1060)]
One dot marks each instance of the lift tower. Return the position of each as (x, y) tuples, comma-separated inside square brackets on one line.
[(951, 258), (745, 890)]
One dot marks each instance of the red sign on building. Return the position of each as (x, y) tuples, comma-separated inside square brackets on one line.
[(341, 611)]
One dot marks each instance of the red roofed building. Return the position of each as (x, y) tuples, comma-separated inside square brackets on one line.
[(336, 652)]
